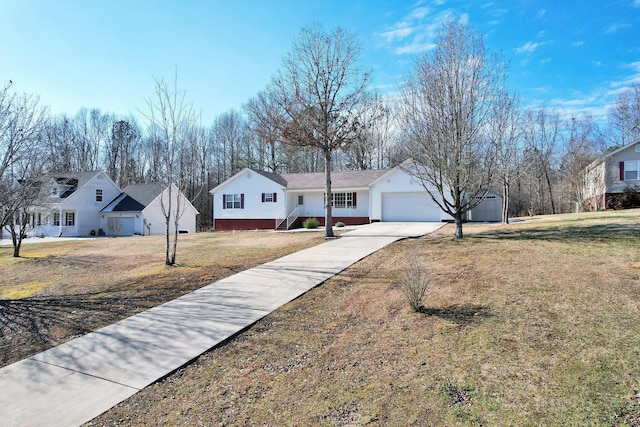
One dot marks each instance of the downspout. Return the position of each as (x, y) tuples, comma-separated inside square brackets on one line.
[(60, 222)]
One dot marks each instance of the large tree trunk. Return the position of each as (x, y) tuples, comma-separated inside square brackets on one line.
[(458, 222), (328, 217)]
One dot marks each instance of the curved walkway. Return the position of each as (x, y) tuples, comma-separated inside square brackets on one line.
[(74, 382)]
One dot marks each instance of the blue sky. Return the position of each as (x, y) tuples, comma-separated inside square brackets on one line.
[(572, 55)]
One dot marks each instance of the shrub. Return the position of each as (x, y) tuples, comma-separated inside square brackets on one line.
[(311, 223), (339, 224), (414, 282)]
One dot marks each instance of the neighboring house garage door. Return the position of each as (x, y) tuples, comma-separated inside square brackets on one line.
[(127, 226), (409, 207)]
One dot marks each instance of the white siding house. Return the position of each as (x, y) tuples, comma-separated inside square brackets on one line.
[(397, 196), (259, 200), (74, 204), (139, 210), (606, 179)]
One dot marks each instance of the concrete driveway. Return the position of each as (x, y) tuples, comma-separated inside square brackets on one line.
[(395, 229), (74, 382)]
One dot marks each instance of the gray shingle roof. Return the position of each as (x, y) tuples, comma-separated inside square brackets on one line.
[(339, 179), (144, 193), (123, 203)]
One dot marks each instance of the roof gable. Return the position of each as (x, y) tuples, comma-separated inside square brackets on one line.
[(274, 177), (144, 193), (614, 152), (68, 183), (123, 203)]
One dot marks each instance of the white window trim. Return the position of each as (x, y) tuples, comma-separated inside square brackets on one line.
[(233, 201), (637, 170)]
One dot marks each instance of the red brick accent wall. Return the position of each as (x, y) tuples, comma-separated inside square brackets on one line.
[(245, 224), (270, 224)]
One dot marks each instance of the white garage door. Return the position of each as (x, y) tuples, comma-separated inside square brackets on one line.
[(127, 225), (409, 207)]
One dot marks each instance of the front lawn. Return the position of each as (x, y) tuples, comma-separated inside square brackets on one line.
[(535, 323), (59, 290)]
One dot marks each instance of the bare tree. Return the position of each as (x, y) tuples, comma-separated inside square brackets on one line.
[(506, 131), (447, 104), (21, 162), (229, 133), (320, 89), (583, 147), (266, 118), (370, 149), (120, 149), (171, 119), (543, 131), (624, 116)]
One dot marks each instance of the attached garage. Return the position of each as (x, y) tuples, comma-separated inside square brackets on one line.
[(489, 210), (409, 207), (125, 225)]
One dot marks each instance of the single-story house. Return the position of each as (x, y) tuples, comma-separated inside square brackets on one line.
[(139, 210), (607, 179), (90, 204), (254, 199)]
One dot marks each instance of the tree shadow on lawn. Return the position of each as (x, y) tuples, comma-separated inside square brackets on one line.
[(622, 233), (462, 314), (31, 325)]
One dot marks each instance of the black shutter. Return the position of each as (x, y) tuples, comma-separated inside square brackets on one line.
[(224, 201), (275, 197), (621, 171), (353, 200), (263, 197), (242, 201)]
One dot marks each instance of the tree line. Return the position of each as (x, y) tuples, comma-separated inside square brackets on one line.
[(319, 114)]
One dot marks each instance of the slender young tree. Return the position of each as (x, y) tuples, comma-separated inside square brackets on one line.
[(171, 119), (447, 104), (506, 131), (320, 89)]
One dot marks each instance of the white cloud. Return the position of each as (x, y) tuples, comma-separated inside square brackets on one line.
[(541, 13), (616, 27), (418, 13), (545, 60), (636, 3), (416, 31), (529, 47), (577, 44), (414, 48), (397, 34)]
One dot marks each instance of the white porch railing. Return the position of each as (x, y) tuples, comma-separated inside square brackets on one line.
[(292, 217), (282, 217)]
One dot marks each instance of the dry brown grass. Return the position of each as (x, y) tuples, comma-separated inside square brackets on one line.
[(535, 323), (59, 290)]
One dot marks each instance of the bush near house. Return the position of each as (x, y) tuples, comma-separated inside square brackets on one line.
[(628, 199), (311, 223)]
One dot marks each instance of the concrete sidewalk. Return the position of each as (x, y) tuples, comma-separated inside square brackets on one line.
[(77, 381)]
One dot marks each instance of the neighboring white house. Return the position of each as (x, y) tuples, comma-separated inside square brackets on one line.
[(606, 179), (260, 200), (139, 210), (73, 204), (91, 204)]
